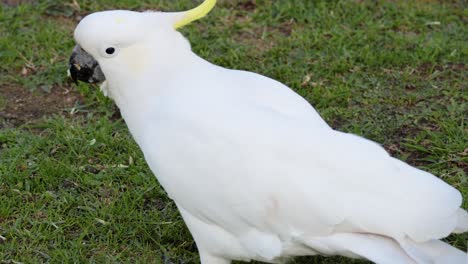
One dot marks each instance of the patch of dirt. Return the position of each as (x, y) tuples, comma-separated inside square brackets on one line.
[(16, 2), (254, 39), (286, 27), (151, 203), (427, 68), (247, 5), (22, 106), (263, 39)]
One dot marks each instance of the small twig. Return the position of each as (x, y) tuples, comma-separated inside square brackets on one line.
[(29, 63)]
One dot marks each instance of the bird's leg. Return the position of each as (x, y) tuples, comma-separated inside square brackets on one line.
[(210, 259)]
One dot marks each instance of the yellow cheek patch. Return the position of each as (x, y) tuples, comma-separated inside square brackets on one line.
[(136, 59), (119, 20)]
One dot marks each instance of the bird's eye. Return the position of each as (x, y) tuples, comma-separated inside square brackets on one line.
[(110, 51)]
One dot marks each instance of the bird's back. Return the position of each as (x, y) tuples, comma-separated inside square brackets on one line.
[(255, 149)]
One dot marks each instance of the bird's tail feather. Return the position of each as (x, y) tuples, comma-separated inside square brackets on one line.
[(383, 250), (434, 251), (378, 249), (462, 225)]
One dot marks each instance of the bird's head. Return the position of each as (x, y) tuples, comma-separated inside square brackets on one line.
[(117, 42)]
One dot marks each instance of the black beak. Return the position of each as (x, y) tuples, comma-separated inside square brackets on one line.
[(83, 67)]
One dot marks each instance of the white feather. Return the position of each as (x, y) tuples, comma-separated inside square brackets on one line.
[(254, 169)]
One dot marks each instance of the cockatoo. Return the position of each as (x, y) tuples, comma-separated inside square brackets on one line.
[(254, 170)]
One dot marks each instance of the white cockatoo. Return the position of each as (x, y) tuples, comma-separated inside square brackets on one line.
[(255, 171)]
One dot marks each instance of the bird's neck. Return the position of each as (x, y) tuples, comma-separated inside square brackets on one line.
[(136, 97)]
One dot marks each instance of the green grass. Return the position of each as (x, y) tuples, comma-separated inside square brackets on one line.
[(76, 189)]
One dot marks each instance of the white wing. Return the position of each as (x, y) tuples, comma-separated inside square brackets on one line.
[(246, 153)]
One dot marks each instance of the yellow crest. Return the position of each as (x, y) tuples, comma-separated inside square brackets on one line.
[(196, 13)]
